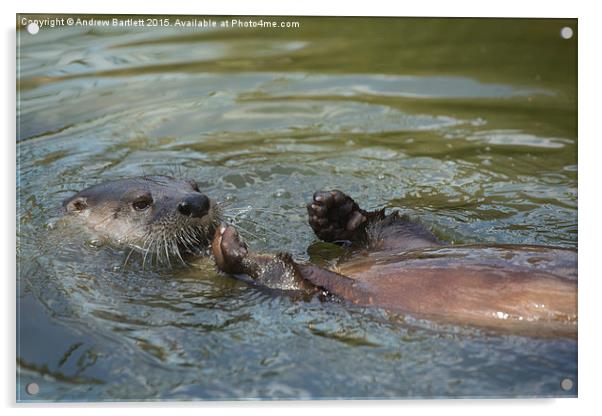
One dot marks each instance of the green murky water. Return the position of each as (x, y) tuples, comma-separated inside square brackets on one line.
[(467, 124)]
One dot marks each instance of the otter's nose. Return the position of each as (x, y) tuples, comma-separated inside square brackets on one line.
[(194, 206)]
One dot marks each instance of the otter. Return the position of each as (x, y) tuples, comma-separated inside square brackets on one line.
[(393, 262), (398, 265), (157, 215)]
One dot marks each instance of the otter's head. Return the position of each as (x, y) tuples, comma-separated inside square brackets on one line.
[(159, 215)]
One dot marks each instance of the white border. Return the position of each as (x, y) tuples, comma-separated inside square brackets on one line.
[(461, 8), (589, 202)]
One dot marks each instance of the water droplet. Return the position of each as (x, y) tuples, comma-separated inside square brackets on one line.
[(502, 315), (95, 243), (282, 193)]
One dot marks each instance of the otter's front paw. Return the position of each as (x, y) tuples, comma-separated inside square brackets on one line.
[(335, 216), (228, 249)]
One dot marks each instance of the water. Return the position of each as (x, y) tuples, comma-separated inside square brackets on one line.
[(469, 125)]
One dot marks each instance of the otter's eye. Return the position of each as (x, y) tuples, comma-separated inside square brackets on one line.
[(195, 186), (142, 203)]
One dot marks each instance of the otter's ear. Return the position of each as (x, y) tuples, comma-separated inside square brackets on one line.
[(77, 204)]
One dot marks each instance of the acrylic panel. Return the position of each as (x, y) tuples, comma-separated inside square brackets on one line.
[(171, 244)]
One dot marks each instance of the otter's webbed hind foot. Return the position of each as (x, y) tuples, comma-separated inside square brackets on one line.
[(279, 271), (272, 271), (335, 216), (229, 250)]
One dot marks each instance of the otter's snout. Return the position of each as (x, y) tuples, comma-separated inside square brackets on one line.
[(194, 206)]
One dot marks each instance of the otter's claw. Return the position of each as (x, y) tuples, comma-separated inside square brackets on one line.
[(334, 216)]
